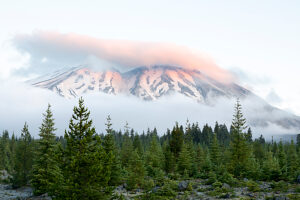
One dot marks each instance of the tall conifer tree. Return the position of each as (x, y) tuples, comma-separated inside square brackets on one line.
[(47, 176)]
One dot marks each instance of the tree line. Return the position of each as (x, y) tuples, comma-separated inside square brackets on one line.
[(85, 165)]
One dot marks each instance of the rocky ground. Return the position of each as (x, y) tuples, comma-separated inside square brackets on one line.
[(7, 193), (188, 189), (199, 189)]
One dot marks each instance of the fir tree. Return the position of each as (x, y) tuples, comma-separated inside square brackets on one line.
[(136, 171), (24, 157), (184, 160), (112, 166), (282, 159), (176, 141), (215, 154), (83, 173), (47, 176), (239, 151), (292, 161), (155, 157)]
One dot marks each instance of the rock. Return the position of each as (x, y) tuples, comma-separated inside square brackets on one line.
[(226, 196), (155, 189), (138, 190), (298, 179), (225, 185), (245, 180), (4, 175), (265, 187), (183, 185), (280, 198), (42, 197), (251, 195)]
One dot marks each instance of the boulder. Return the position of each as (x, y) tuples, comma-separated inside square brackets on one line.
[(298, 179), (226, 186), (183, 185)]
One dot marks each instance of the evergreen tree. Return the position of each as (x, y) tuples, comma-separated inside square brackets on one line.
[(270, 168), (248, 135), (184, 160), (154, 158), (136, 171), (127, 148), (282, 159), (83, 173), (176, 141), (5, 152), (239, 151), (47, 175), (215, 154), (24, 157), (112, 165), (292, 161)]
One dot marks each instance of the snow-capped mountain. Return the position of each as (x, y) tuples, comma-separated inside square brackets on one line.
[(152, 83), (143, 82)]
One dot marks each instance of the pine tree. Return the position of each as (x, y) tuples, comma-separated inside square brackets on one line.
[(112, 166), (83, 173), (154, 158), (239, 151), (136, 171), (127, 148), (5, 152), (24, 157), (47, 175), (215, 154), (292, 161), (282, 160), (184, 160), (270, 168), (176, 141), (248, 135)]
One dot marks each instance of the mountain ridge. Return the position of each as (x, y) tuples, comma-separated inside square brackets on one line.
[(152, 83)]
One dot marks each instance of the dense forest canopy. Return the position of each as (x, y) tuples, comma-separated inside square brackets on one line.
[(86, 165)]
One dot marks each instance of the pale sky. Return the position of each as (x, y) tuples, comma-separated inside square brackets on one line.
[(259, 40)]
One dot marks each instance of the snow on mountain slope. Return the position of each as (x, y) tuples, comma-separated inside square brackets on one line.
[(152, 83), (143, 82)]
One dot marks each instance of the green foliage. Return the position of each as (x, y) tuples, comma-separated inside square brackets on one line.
[(253, 186), (239, 150), (85, 165), (24, 159), (176, 142), (84, 168), (112, 165), (136, 171), (280, 186), (47, 176), (184, 160)]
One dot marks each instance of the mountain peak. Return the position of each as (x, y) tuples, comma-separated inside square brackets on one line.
[(148, 83)]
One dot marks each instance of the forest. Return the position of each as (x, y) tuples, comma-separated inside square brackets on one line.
[(186, 162)]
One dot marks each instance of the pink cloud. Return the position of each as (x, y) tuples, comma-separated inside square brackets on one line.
[(127, 53)]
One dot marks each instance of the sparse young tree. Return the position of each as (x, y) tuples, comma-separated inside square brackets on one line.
[(24, 157)]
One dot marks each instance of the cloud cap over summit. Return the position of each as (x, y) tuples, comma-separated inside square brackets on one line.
[(49, 50)]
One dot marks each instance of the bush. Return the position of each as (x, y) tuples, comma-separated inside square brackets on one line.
[(217, 184), (211, 178), (280, 186), (253, 186)]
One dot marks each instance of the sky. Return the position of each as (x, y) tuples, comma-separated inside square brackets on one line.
[(256, 41)]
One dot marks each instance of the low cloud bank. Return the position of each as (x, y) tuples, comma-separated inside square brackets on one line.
[(20, 103)]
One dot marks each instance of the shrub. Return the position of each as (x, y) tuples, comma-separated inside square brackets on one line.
[(253, 186)]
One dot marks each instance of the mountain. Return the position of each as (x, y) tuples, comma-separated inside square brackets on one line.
[(143, 82), (152, 83)]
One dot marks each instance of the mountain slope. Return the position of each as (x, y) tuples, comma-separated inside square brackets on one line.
[(152, 83), (143, 82)]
